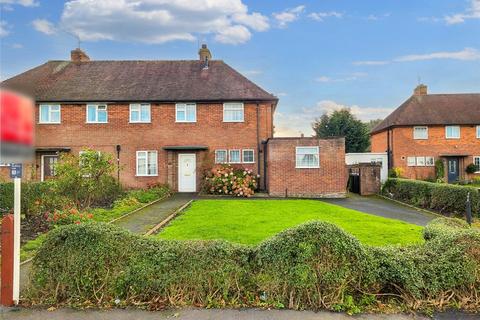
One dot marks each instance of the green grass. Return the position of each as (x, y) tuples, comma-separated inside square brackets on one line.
[(250, 222)]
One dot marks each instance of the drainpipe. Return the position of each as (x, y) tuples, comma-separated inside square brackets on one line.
[(389, 151), (118, 162), (265, 151), (258, 141)]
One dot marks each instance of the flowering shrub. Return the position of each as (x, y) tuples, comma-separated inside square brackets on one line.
[(64, 217), (224, 179)]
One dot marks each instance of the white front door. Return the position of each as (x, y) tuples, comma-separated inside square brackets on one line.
[(187, 170)]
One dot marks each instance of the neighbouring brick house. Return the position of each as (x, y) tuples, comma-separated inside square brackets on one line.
[(431, 127), (165, 121)]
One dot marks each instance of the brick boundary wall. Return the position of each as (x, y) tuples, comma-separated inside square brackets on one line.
[(285, 180)]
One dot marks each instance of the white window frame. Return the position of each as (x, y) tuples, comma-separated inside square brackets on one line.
[(478, 132), (96, 105), (139, 106), (230, 104), (146, 163), (432, 164), (452, 137), (253, 155), (421, 161), (417, 137), (411, 161), (226, 155), (317, 153), (230, 156), (184, 107), (474, 159), (40, 121)]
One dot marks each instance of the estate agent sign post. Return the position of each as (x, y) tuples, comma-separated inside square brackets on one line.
[(17, 115)]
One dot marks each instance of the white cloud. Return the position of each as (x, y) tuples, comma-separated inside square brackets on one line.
[(4, 29), (472, 12), (350, 77), (44, 26), (252, 72), (289, 15), (375, 17), (293, 124), (25, 3), (320, 16), (281, 94), (17, 45), (159, 21), (467, 54)]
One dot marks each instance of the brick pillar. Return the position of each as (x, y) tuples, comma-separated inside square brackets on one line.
[(6, 293)]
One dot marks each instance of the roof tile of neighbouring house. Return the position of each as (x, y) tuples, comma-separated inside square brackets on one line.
[(435, 109), (181, 80)]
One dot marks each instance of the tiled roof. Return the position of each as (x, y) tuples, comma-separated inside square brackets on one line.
[(435, 109), (182, 80)]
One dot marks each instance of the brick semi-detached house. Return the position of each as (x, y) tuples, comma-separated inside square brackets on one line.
[(168, 121), (431, 127)]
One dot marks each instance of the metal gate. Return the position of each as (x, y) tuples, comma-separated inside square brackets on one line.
[(354, 180)]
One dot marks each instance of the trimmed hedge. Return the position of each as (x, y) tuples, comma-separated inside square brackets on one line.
[(447, 199), (312, 266)]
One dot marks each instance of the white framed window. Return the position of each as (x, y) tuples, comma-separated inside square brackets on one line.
[(430, 161), (248, 156), (476, 162), (478, 132), (234, 156), (147, 163), (221, 156), (307, 157), (140, 113), (185, 112), (411, 161), (233, 112), (421, 161), (420, 133), (452, 132), (49, 113), (97, 113)]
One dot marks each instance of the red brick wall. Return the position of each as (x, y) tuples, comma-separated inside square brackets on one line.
[(404, 146), (209, 130), (329, 180)]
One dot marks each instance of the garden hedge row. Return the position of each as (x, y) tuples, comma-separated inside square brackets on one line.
[(32, 192), (313, 266), (447, 199)]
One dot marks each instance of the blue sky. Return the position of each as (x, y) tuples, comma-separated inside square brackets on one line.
[(316, 56)]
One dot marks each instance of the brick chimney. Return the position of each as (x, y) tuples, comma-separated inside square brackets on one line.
[(204, 53), (78, 55), (420, 90)]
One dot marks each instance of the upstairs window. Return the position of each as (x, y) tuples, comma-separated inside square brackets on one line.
[(478, 132), (147, 163), (307, 157), (233, 112), (49, 113), (186, 112), (140, 112), (97, 113), (452, 132), (420, 133), (220, 156)]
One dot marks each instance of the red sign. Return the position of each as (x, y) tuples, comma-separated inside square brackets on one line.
[(17, 126)]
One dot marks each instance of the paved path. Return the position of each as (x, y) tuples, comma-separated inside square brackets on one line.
[(212, 314), (384, 208), (145, 219)]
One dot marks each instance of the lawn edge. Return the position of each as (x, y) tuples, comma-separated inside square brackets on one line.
[(412, 206), (138, 209), (165, 221)]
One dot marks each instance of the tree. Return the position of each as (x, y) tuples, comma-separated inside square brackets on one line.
[(373, 123), (342, 123)]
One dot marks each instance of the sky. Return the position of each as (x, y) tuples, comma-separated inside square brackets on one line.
[(316, 56)]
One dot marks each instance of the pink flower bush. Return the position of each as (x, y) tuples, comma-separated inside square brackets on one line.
[(226, 180)]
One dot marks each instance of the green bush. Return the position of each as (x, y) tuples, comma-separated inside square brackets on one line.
[(445, 198), (312, 266)]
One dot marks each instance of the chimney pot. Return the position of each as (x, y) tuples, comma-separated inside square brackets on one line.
[(420, 90), (78, 55), (204, 53)]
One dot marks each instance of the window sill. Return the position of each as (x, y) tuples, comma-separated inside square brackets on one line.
[(146, 175), (318, 167), (96, 122), (185, 121), (49, 123), (249, 162), (133, 122), (239, 121)]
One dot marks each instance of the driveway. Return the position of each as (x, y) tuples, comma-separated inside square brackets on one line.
[(385, 208)]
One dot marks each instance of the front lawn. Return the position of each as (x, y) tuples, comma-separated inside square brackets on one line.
[(251, 221)]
